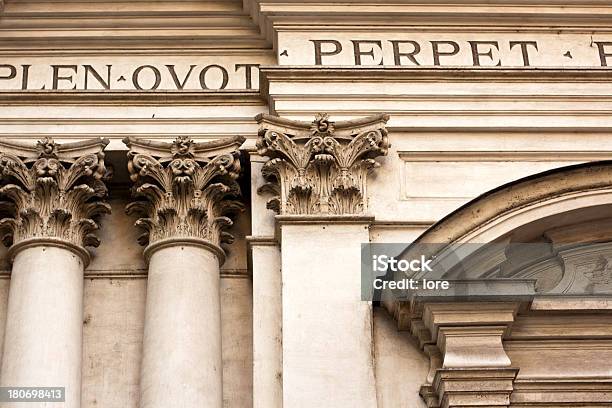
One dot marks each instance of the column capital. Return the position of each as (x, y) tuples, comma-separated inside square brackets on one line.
[(52, 193), (186, 191), (320, 168)]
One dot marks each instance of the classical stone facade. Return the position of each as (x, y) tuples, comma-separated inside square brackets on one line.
[(186, 189)]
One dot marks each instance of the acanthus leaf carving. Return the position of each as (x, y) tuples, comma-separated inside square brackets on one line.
[(320, 167), (185, 189), (53, 191)]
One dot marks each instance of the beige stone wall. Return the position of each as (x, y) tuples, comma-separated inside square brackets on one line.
[(112, 329), (114, 300), (456, 131), (180, 34), (400, 365), (115, 293)]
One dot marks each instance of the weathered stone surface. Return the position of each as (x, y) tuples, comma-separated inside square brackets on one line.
[(53, 192), (186, 190), (322, 167), (469, 112)]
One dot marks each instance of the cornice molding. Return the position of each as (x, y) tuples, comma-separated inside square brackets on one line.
[(53, 192), (324, 220), (112, 97), (164, 26), (319, 168), (269, 75), (273, 16), (185, 191), (561, 391), (413, 74)]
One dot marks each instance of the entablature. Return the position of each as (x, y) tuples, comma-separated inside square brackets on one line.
[(274, 16)]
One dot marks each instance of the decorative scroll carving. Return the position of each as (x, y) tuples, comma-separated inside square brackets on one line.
[(53, 191), (185, 189), (320, 167)]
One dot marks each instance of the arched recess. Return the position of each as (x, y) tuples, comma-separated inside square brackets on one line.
[(550, 235), (513, 231), (520, 202)]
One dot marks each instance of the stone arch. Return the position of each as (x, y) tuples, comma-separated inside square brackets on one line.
[(561, 223)]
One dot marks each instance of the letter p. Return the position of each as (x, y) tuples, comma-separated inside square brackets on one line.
[(12, 71)]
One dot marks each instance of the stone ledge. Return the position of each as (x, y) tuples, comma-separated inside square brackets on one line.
[(111, 97), (324, 219)]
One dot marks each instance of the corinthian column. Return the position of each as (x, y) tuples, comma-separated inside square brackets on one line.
[(318, 174), (52, 195), (186, 192)]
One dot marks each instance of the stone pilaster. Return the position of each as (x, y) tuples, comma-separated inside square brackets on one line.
[(52, 195), (317, 174), (265, 260), (186, 193)]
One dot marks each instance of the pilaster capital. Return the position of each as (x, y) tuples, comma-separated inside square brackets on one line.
[(53, 193), (320, 168), (185, 191)]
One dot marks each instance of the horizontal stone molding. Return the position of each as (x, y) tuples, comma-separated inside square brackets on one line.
[(561, 391), (503, 156), (112, 97), (477, 16), (114, 26), (49, 242), (323, 220), (184, 241), (261, 241), (474, 387), (416, 74)]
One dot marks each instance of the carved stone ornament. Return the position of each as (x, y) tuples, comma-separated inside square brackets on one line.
[(320, 167), (186, 191), (52, 192)]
